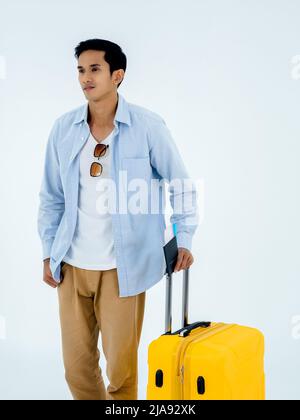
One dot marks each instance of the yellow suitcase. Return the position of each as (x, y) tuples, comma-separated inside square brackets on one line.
[(205, 361)]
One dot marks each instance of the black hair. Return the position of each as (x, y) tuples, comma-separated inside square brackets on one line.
[(114, 55)]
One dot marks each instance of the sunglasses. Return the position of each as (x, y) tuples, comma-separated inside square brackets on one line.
[(96, 167)]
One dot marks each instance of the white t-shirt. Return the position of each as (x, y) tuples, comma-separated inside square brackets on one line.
[(92, 246)]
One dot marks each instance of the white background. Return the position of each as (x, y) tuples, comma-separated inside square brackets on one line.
[(220, 73)]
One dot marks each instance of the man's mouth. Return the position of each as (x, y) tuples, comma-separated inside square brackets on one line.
[(89, 88)]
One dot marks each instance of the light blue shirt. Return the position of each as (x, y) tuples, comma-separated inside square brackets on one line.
[(143, 147)]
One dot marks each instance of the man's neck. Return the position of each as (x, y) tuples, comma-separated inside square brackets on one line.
[(102, 113)]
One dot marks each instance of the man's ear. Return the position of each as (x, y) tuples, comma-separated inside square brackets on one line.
[(118, 75)]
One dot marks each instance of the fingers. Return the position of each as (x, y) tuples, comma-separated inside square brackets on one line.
[(189, 262), (50, 281), (184, 260), (47, 274), (179, 261)]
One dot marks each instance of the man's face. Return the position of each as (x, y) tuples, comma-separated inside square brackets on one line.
[(94, 75)]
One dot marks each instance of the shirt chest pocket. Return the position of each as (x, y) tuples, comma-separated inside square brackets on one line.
[(136, 170)]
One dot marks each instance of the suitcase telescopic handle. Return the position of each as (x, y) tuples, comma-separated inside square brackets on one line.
[(185, 299), (186, 327), (171, 254)]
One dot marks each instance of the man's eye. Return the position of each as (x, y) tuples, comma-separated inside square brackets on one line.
[(82, 71)]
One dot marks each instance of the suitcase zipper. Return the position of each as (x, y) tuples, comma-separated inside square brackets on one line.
[(191, 338), (182, 350)]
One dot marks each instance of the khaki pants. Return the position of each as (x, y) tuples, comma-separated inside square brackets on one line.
[(89, 302)]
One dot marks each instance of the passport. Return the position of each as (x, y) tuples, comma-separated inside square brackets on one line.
[(171, 253)]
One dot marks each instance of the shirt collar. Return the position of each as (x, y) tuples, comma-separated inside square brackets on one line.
[(122, 113)]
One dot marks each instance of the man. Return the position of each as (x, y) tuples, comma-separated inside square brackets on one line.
[(101, 262)]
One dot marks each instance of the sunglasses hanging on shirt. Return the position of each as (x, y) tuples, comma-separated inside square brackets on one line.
[(96, 167)]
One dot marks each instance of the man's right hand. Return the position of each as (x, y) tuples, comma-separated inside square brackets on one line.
[(47, 276)]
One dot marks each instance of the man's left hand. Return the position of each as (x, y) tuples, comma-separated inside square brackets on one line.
[(184, 259)]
